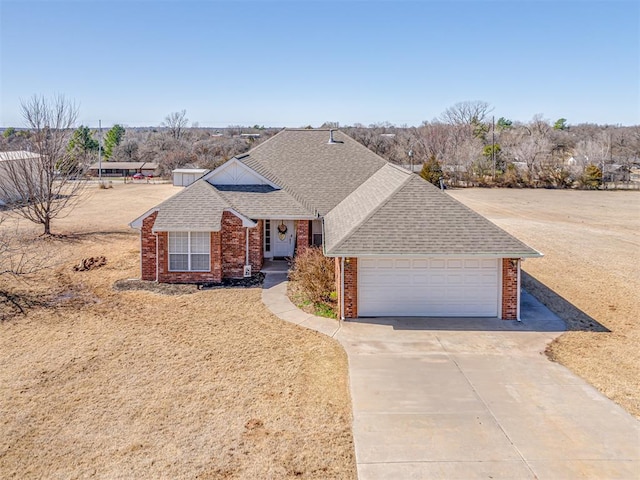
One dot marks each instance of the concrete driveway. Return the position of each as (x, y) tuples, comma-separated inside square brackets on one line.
[(472, 399)]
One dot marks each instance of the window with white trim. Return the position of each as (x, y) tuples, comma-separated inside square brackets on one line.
[(267, 235), (189, 251)]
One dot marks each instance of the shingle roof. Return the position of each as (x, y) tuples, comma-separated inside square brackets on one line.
[(198, 207), (370, 207), (418, 219), (364, 201), (124, 165), (18, 155), (318, 174), (263, 202)]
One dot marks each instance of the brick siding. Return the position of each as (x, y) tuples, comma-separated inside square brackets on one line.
[(234, 243), (148, 248), (350, 287), (510, 289), (165, 276), (303, 236), (227, 253), (256, 247)]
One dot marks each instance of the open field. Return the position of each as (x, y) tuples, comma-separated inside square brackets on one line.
[(205, 384), (592, 261)]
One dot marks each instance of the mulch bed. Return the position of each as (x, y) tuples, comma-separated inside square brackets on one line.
[(186, 288)]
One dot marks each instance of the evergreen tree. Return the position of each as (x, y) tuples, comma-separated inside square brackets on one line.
[(432, 171), (561, 124), (82, 147), (504, 123), (592, 177), (112, 139)]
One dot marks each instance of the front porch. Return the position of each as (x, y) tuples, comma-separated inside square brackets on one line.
[(276, 266)]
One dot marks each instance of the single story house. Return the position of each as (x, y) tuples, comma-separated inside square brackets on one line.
[(402, 247), (122, 169), (183, 177), (616, 173)]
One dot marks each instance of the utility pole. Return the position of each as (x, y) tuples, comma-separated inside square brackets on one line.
[(493, 144), (100, 150), (410, 153)]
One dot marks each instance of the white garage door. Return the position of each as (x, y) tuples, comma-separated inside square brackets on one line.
[(428, 287)]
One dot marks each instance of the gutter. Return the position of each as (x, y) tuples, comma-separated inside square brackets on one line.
[(435, 255), (342, 289), (518, 293), (246, 248)]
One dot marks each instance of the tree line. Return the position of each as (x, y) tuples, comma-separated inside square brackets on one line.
[(465, 146)]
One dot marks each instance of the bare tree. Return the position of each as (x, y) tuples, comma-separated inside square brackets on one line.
[(176, 122), (466, 113), (46, 185), (530, 149), (127, 151), (593, 151)]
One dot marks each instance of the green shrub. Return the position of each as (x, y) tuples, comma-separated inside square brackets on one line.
[(432, 171), (592, 177)]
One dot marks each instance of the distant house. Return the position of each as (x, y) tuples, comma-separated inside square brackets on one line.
[(123, 169), (8, 162), (183, 177), (616, 173)]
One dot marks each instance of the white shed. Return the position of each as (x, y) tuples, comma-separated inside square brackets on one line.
[(183, 177)]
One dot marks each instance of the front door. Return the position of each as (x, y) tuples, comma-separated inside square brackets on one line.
[(283, 237)]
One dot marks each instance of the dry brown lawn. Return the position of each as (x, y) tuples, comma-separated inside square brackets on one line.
[(207, 384), (590, 271)]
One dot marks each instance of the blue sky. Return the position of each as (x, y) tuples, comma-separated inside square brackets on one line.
[(303, 62)]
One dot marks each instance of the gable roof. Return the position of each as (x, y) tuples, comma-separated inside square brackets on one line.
[(317, 173), (197, 208), (263, 201), (234, 172), (370, 207), (364, 201), (413, 217)]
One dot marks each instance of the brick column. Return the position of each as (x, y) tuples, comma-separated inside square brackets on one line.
[(510, 268), (216, 256), (233, 239), (350, 286), (256, 246), (302, 235), (148, 248), (163, 259)]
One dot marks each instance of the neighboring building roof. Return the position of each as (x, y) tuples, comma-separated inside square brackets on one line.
[(415, 218), (124, 166), (17, 155), (263, 202), (317, 173), (190, 170)]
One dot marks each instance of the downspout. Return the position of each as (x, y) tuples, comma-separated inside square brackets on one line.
[(342, 288), (157, 258), (518, 293), (246, 248)]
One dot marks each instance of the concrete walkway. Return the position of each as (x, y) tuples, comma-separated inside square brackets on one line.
[(471, 398)]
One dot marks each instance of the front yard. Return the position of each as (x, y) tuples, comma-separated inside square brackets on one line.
[(206, 384)]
